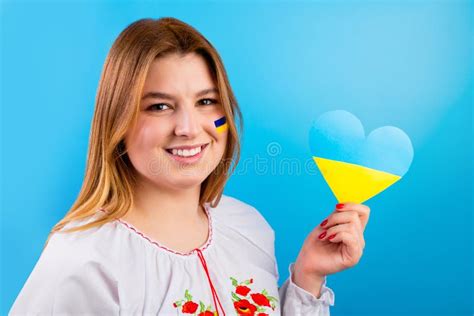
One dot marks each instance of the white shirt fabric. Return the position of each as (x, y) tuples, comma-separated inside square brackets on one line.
[(115, 269)]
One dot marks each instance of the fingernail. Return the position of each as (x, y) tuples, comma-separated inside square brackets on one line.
[(332, 236), (322, 235), (324, 222), (339, 206)]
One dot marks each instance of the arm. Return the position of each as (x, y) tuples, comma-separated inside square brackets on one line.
[(294, 299), (297, 301), (311, 284)]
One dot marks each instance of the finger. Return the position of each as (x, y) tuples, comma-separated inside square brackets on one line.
[(353, 252), (347, 227), (348, 217), (335, 219), (341, 218), (361, 209)]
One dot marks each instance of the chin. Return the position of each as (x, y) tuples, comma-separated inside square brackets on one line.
[(186, 182)]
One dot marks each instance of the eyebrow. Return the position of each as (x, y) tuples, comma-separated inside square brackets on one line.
[(162, 95)]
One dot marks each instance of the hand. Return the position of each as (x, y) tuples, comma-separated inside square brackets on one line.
[(321, 257)]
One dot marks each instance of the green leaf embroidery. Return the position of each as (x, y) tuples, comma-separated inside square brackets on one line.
[(234, 281), (235, 297), (188, 296), (261, 309), (271, 298)]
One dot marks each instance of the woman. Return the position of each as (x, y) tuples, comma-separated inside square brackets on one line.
[(151, 232)]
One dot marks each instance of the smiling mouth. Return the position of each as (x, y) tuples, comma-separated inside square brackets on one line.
[(187, 153)]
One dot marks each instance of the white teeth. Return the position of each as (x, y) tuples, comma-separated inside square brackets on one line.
[(186, 152)]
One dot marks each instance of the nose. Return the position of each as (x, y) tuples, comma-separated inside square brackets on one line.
[(187, 123)]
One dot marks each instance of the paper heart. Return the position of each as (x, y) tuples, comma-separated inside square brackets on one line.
[(357, 168)]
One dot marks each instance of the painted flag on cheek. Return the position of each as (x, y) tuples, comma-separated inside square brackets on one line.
[(221, 124)]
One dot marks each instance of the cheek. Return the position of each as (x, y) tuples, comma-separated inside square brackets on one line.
[(220, 142), (219, 135), (146, 137), (222, 138)]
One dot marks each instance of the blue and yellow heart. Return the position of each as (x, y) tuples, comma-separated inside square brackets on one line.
[(357, 168)]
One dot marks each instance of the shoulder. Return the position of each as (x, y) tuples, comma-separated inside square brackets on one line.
[(247, 221), (70, 269), (70, 252), (237, 212), (96, 244)]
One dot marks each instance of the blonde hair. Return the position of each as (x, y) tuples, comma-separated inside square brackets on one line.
[(109, 176)]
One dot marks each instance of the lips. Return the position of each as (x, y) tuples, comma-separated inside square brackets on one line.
[(189, 159), (170, 150), (187, 147)]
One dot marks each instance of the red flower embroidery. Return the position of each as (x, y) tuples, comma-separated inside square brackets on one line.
[(189, 307), (242, 290), (242, 296), (244, 307), (260, 299)]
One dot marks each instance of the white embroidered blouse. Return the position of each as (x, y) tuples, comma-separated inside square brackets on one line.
[(115, 269)]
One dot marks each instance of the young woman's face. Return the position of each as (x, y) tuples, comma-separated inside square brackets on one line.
[(183, 118)]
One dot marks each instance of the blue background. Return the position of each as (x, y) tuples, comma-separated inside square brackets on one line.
[(402, 63)]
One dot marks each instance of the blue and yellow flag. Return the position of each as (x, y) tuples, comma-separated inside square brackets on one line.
[(221, 124), (357, 168)]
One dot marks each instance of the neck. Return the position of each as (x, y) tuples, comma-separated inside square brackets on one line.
[(166, 205)]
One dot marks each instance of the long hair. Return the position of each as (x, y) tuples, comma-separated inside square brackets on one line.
[(109, 176)]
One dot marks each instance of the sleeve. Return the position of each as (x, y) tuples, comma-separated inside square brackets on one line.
[(64, 282), (295, 300)]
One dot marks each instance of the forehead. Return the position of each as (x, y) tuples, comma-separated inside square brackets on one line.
[(176, 73)]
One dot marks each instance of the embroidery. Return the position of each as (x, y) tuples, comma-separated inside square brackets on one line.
[(243, 298), (246, 302), (188, 306)]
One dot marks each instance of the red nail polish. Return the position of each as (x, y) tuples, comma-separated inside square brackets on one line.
[(324, 222), (339, 206), (322, 235), (332, 236)]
